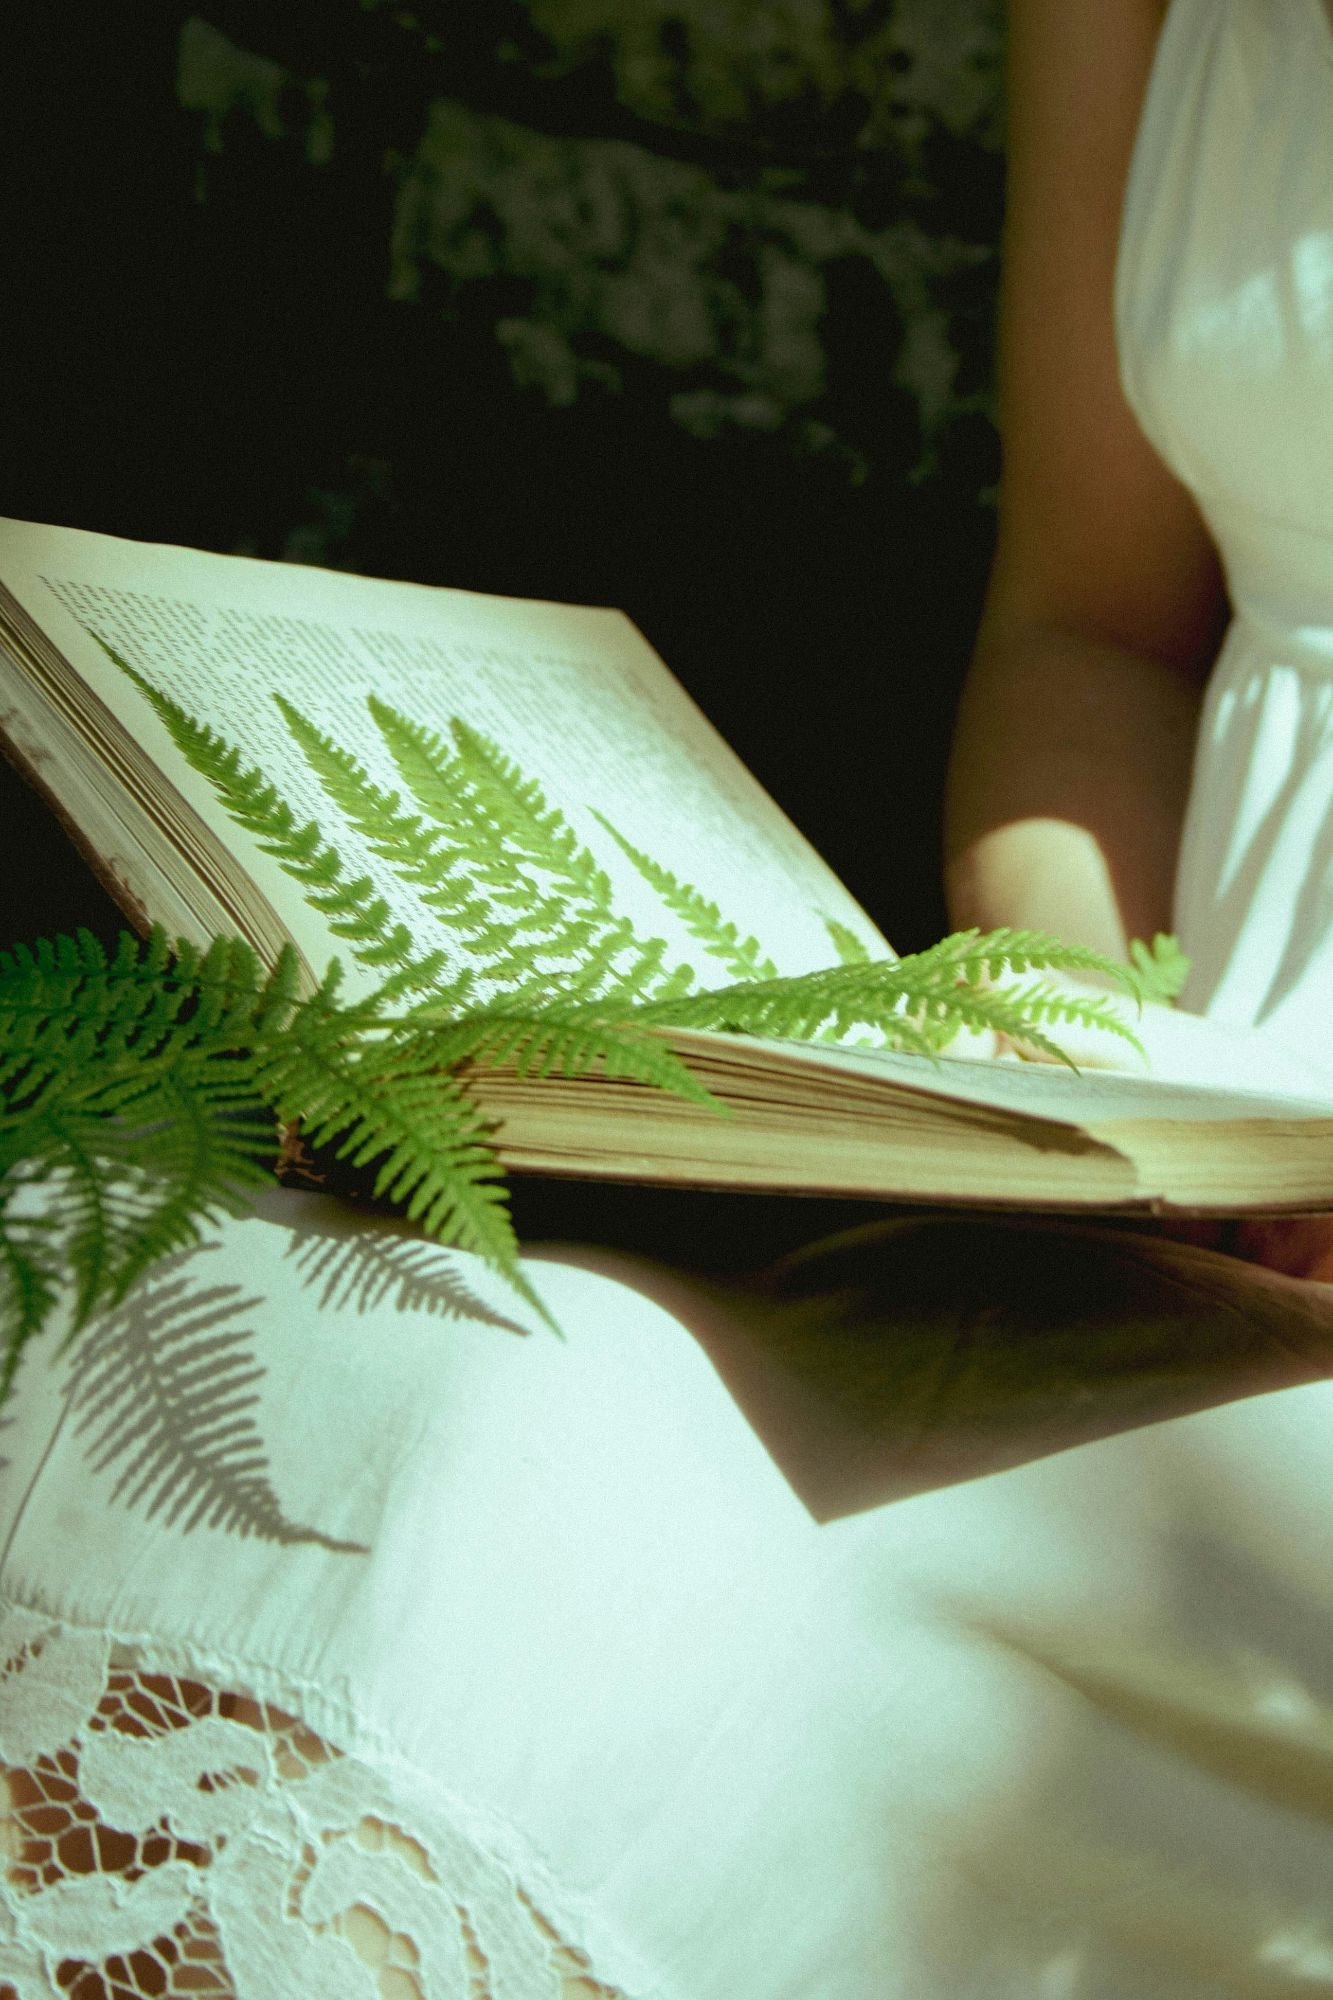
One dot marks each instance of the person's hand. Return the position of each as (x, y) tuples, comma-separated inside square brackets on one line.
[(1301, 1246), (1181, 1046)]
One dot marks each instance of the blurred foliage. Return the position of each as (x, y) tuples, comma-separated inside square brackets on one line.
[(682, 305), (840, 66), (787, 212)]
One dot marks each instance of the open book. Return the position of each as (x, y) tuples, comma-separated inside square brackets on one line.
[(582, 703)]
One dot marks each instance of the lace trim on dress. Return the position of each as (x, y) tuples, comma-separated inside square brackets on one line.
[(163, 1836)]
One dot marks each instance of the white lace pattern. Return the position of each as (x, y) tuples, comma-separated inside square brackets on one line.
[(165, 1836)]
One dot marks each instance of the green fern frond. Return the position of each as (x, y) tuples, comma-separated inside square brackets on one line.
[(744, 957), (445, 793), (532, 903), (386, 1104), (557, 1038), (501, 796), (851, 949), (140, 1088), (491, 814), (126, 1085), (1160, 968), (199, 1142), (915, 1003), (353, 906), (977, 956), (836, 1001), (1018, 1012), (967, 980), (250, 799), (610, 961), (377, 815), (402, 841)]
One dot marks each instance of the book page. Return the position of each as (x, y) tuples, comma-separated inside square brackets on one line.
[(1191, 1082), (575, 695)]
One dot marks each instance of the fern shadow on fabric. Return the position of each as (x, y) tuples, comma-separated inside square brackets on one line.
[(388, 1266), (164, 1392), (922, 1351)]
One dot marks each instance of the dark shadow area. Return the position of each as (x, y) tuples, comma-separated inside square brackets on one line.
[(647, 303), (910, 1354)]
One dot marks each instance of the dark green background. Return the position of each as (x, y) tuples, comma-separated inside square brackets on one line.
[(683, 305)]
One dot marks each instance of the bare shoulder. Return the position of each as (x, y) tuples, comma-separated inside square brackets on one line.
[(1095, 531)]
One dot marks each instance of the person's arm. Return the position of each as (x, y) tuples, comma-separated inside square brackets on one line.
[(1075, 734)]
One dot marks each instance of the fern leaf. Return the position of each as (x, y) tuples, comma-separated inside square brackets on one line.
[(248, 796), (914, 1003), (743, 956), (851, 949), (976, 956), (387, 1104), (127, 1088), (530, 825), (1019, 1013), (353, 906), (793, 1007), (610, 960), (198, 1143), (1160, 969), (477, 798), (376, 814), (401, 840), (533, 902), (571, 1041), (511, 925)]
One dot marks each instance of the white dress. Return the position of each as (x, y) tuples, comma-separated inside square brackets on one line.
[(1225, 312), (703, 1654)]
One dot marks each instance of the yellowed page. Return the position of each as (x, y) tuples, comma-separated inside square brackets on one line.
[(883, 1124), (1193, 1083), (576, 695)]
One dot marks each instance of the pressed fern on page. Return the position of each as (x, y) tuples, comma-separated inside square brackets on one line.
[(551, 922), (404, 841), (351, 906), (918, 1003), (743, 957), (487, 849)]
